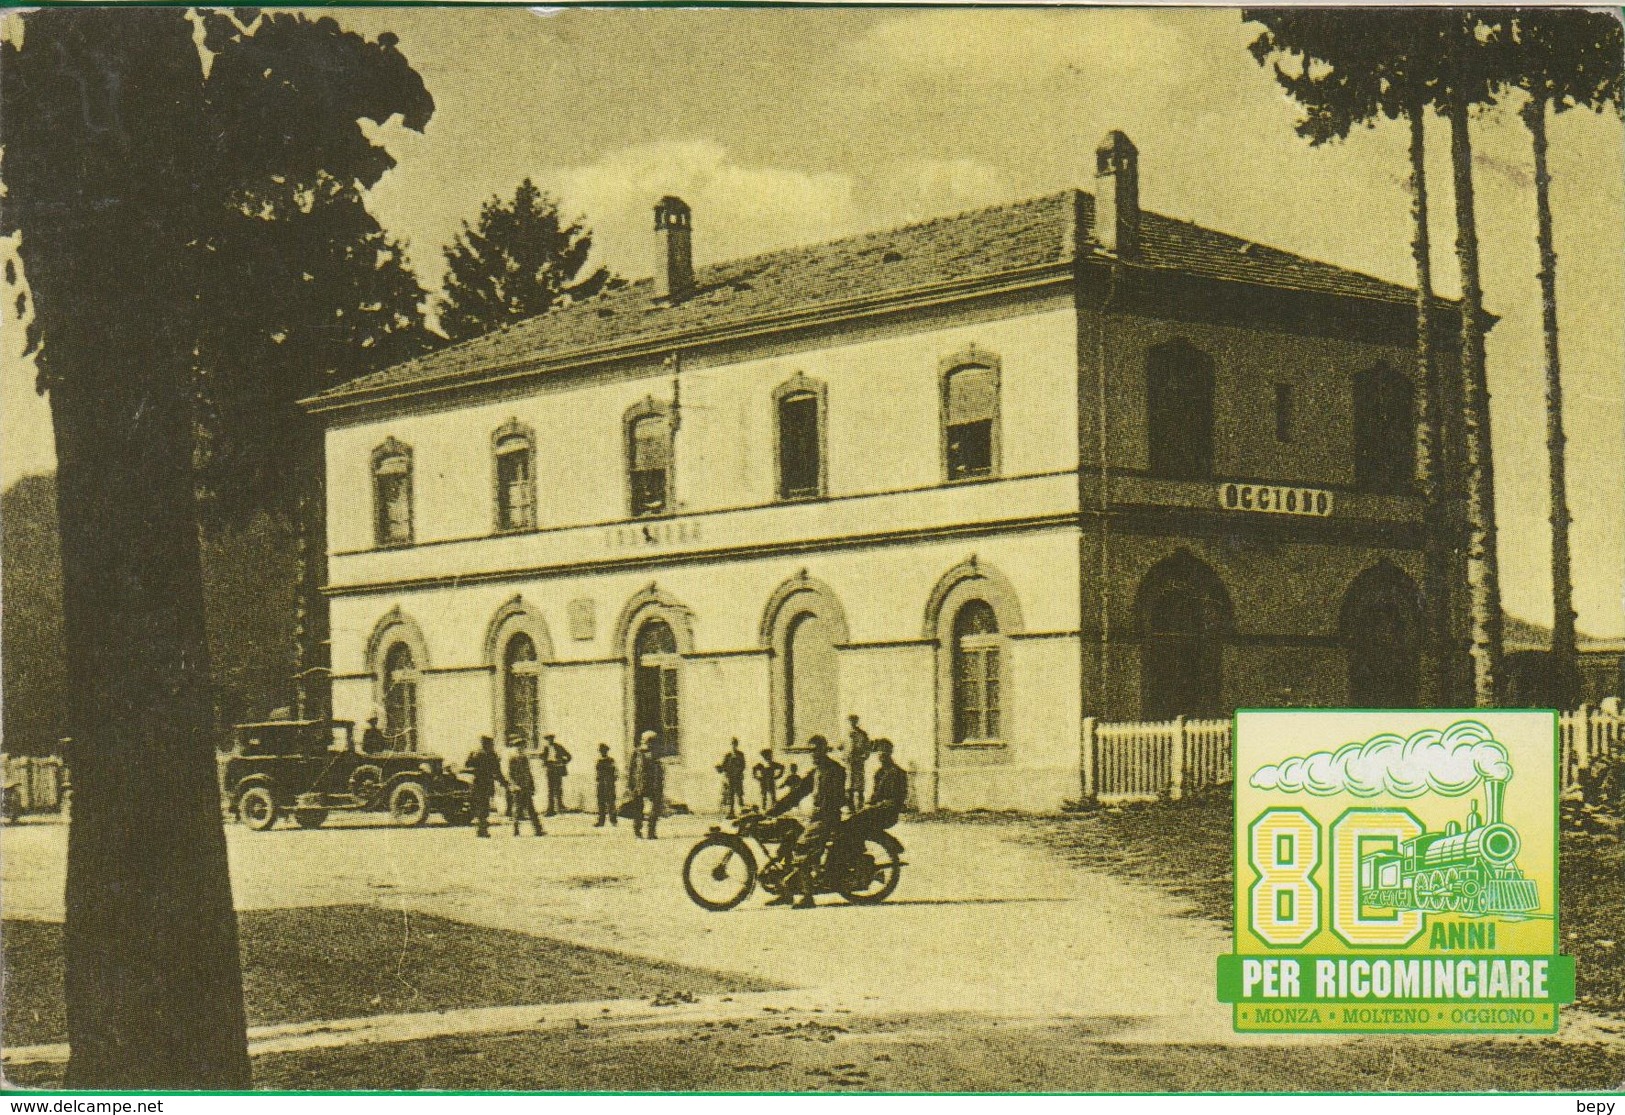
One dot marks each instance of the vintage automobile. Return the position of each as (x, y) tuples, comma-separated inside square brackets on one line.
[(309, 768)]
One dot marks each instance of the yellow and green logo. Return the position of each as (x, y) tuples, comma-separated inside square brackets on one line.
[(1396, 872)]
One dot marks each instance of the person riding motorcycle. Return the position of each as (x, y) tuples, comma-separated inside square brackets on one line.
[(888, 795), (826, 783)]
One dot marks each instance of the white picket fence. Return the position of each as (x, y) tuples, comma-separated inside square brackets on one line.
[(1140, 761), (1145, 760)]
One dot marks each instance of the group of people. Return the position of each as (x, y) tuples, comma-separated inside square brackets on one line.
[(488, 770), (769, 774), (832, 788)]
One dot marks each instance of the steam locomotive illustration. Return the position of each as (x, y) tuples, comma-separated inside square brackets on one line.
[(1467, 869)]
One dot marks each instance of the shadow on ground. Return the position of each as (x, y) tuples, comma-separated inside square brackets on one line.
[(329, 962)]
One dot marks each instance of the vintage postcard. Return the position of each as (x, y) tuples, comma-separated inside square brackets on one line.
[(836, 549)]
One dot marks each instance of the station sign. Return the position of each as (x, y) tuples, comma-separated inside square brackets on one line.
[(1275, 499)]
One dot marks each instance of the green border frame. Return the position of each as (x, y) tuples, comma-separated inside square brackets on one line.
[(1557, 836)]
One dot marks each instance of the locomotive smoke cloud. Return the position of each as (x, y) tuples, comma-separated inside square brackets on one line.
[(1449, 763)]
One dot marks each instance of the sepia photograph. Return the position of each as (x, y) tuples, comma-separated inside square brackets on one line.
[(733, 549)]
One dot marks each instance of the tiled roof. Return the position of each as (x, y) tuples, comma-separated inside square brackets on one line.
[(945, 252)]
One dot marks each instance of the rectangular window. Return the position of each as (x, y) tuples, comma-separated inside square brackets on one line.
[(651, 465), (394, 499), (1283, 412), (516, 493), (972, 405), (800, 466)]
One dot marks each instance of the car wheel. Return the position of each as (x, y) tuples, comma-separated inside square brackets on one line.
[(365, 782), (257, 808), (309, 818), (409, 804)]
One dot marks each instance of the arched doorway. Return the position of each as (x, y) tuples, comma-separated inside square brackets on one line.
[(521, 689), (401, 698), (803, 627), (1184, 618), (811, 704), (656, 690), (1381, 633)]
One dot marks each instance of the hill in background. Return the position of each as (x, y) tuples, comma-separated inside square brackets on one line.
[(248, 583)]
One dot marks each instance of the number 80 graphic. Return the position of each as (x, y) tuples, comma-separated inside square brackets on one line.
[(1284, 903)]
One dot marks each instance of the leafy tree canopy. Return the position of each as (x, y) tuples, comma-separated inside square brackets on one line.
[(520, 259), (302, 286)]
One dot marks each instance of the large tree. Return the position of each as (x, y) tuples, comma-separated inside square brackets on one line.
[(1352, 68), (1359, 64), (519, 259), (304, 288), (101, 151), (194, 233), (1560, 59)]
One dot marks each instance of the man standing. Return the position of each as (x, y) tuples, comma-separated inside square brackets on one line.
[(826, 782), (485, 767), (372, 740), (557, 761), (858, 750), (604, 771), (767, 774), (649, 788), (732, 769), (521, 787)]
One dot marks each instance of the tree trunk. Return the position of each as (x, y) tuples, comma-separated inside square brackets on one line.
[(153, 984), (1429, 436), (1564, 665), (312, 668), (1485, 621)]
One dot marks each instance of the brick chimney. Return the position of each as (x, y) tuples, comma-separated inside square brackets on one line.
[(674, 248), (1117, 195)]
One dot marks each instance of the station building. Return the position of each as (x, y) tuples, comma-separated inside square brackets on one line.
[(971, 480)]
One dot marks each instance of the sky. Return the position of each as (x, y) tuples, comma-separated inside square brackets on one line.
[(789, 126)]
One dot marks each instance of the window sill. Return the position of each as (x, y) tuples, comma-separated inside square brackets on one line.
[(956, 481), (810, 497), (980, 745), (500, 532), (406, 545)]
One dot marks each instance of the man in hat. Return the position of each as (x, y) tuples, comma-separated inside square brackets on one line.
[(826, 784), (889, 796), (649, 787), (858, 750), (604, 772), (557, 761), (372, 740), (732, 769), (767, 774), (485, 767), (521, 786)]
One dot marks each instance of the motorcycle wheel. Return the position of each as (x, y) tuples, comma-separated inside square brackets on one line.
[(887, 853), (719, 873)]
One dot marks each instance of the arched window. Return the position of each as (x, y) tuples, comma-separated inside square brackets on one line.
[(515, 453), (1381, 630), (1184, 617), (970, 415), (977, 674), (1179, 411), (521, 689), (401, 698), (392, 494), (799, 432), (1384, 431), (648, 459), (655, 685)]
